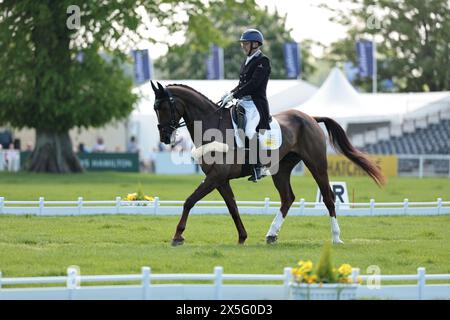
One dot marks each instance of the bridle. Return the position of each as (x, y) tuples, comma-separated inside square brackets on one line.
[(173, 124)]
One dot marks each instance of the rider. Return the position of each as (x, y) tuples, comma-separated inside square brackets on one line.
[(251, 90)]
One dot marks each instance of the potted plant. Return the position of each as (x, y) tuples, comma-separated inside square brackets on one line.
[(323, 282)]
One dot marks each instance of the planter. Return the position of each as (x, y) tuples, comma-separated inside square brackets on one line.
[(333, 291)]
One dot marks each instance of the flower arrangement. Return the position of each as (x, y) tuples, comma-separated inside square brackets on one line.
[(304, 272), (323, 281), (139, 196)]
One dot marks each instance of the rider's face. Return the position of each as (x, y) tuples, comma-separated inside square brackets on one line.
[(245, 45)]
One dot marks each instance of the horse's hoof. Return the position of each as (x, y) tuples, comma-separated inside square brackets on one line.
[(338, 241), (271, 239), (177, 242)]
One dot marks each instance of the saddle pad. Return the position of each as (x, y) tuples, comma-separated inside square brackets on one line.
[(270, 140)]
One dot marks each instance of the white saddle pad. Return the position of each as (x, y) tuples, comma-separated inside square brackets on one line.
[(270, 140)]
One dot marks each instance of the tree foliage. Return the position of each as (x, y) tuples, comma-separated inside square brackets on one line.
[(412, 41), (46, 86), (187, 61)]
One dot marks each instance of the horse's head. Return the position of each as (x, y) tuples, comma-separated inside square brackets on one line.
[(167, 112)]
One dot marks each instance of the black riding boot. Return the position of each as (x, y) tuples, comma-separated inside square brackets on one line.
[(257, 168), (256, 173)]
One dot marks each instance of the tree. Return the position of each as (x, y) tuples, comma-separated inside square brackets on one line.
[(187, 61), (53, 77), (412, 41)]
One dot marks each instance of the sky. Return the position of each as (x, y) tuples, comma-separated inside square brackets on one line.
[(306, 20)]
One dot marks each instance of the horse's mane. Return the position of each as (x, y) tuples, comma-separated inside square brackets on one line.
[(192, 89)]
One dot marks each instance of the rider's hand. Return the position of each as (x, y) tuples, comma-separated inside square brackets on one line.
[(227, 98), (225, 95)]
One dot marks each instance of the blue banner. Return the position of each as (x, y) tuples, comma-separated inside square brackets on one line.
[(142, 66), (364, 51), (214, 63), (292, 57)]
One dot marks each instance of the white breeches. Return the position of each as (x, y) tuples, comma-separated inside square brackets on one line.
[(252, 116)]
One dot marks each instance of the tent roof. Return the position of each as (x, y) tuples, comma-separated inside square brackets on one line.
[(337, 99)]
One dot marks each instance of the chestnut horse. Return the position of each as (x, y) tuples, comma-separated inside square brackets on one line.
[(302, 140)]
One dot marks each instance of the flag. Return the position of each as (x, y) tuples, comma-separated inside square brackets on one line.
[(214, 63), (364, 50), (292, 59), (142, 66)]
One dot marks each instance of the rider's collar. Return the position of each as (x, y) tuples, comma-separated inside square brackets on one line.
[(256, 53)]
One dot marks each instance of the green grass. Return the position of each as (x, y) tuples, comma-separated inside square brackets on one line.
[(45, 246), (101, 186)]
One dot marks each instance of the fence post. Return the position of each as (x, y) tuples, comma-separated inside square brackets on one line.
[(355, 274), (302, 206), (421, 282), (80, 205), (218, 272), (372, 206), (405, 206), (41, 205), (72, 281), (155, 206), (2, 204), (146, 271), (420, 167), (118, 200), (266, 205), (287, 281), (439, 205)]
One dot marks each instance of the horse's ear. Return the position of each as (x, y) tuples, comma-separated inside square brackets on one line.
[(161, 88), (155, 89)]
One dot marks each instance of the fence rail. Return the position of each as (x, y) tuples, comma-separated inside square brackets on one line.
[(43, 207), (217, 289)]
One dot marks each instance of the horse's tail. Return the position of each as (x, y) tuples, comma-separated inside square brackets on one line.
[(340, 142)]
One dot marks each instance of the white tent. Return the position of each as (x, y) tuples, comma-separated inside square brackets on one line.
[(337, 99)]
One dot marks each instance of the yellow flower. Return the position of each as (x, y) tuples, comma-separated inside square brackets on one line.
[(149, 198), (131, 196), (311, 279), (306, 266), (345, 270)]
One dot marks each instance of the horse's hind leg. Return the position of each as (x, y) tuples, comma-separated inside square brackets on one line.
[(227, 194), (318, 169), (282, 182)]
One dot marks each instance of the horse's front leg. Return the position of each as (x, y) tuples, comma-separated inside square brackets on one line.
[(202, 190), (227, 194)]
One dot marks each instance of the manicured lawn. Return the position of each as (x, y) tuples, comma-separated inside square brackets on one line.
[(44, 246)]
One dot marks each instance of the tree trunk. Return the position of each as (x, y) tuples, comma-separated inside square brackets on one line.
[(54, 153)]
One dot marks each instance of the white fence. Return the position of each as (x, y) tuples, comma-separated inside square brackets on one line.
[(158, 207), (370, 286)]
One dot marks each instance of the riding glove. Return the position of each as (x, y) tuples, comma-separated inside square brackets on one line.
[(227, 98)]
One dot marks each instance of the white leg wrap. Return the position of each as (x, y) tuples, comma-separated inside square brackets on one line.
[(335, 231), (276, 225)]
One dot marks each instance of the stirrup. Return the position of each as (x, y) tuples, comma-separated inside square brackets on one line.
[(256, 174)]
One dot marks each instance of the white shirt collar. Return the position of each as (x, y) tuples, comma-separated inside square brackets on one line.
[(257, 52)]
